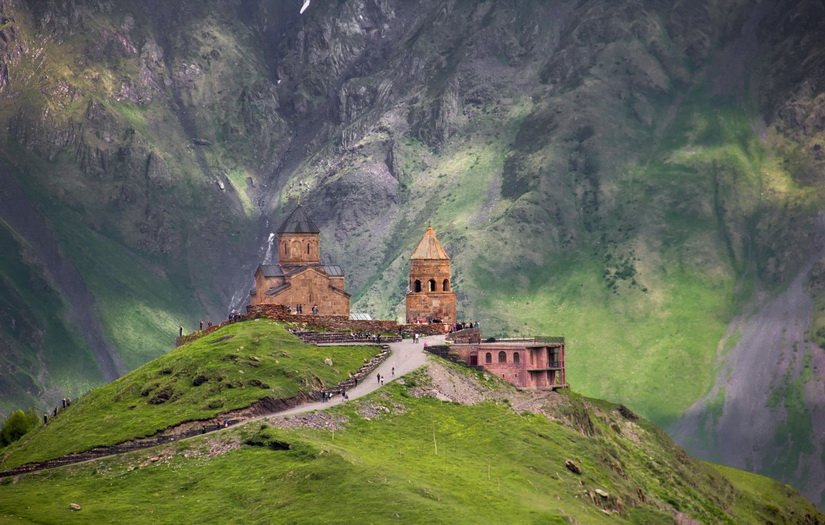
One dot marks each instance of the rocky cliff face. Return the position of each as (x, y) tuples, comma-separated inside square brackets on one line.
[(638, 176)]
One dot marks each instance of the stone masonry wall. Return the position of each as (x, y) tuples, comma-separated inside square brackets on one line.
[(278, 312)]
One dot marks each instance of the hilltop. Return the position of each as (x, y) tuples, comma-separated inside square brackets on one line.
[(644, 178), (231, 368), (444, 444)]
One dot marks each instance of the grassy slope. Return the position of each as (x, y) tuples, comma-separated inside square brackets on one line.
[(242, 363), (492, 465)]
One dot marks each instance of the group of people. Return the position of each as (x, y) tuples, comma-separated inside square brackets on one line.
[(64, 403), (233, 317), (327, 396), (463, 326), (299, 309)]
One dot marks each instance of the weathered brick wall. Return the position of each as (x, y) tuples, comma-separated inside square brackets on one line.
[(426, 306)]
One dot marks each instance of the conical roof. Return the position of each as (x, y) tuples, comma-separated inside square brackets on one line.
[(298, 222), (429, 247)]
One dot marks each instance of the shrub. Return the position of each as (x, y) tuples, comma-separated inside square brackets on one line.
[(16, 425)]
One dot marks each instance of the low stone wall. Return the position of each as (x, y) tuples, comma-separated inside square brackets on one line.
[(336, 323), (314, 337), (339, 323), (465, 336)]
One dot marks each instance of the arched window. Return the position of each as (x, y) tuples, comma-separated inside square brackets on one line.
[(488, 358), (296, 248), (502, 357), (417, 286), (307, 248), (516, 358), (432, 285), (445, 286), (286, 249)]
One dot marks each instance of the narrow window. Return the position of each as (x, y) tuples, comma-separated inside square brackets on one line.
[(417, 285), (307, 248), (432, 285), (286, 249), (516, 358), (502, 357), (488, 358), (445, 286)]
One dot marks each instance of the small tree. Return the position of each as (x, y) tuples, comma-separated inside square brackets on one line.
[(16, 425)]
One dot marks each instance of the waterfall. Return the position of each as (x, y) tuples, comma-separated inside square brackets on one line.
[(269, 242), (241, 296)]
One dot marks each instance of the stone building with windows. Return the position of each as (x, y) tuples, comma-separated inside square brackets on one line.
[(430, 298), (299, 280), (534, 363)]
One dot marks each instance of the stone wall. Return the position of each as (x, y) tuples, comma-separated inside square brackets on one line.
[(426, 306), (465, 336), (338, 323)]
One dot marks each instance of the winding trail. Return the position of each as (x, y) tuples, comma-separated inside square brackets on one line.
[(405, 357)]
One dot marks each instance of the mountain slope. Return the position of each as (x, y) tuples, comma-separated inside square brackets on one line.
[(636, 176), (401, 455)]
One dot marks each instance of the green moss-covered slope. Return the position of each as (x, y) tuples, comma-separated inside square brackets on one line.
[(228, 369)]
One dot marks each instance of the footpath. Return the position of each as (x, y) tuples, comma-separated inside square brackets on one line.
[(405, 356)]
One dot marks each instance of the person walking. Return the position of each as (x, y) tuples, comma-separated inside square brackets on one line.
[(393, 371)]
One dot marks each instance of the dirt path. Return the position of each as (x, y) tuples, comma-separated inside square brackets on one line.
[(406, 356)]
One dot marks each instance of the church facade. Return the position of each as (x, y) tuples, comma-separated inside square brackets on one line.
[(299, 280), (430, 298)]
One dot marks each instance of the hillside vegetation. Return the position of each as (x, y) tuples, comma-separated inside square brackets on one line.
[(487, 454), (230, 368), (640, 177)]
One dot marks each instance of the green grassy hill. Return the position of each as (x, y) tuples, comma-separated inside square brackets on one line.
[(632, 175), (489, 455), (230, 368)]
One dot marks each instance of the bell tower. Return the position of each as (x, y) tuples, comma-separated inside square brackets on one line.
[(430, 297), (299, 240)]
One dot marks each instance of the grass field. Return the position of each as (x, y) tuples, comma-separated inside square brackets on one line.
[(404, 459), (231, 368)]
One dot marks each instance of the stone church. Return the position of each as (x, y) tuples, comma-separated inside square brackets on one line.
[(299, 280), (430, 298)]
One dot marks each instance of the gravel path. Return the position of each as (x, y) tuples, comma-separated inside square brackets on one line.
[(406, 357)]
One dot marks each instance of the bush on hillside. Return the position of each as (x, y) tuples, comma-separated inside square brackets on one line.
[(16, 425)]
